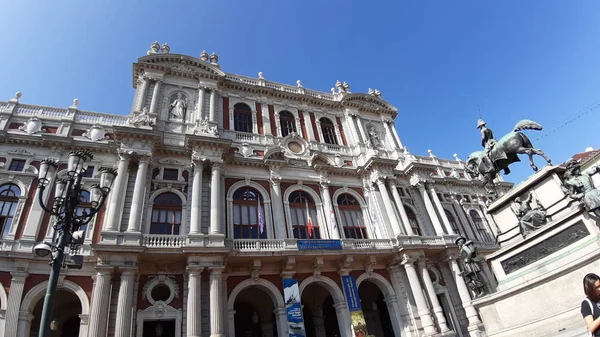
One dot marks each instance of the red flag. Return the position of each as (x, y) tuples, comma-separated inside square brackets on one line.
[(309, 224)]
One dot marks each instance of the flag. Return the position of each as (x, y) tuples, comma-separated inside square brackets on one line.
[(309, 223), (333, 220), (261, 220)]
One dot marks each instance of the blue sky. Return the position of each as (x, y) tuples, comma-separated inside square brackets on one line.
[(436, 61)]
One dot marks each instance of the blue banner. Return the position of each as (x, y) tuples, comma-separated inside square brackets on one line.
[(351, 292), (291, 296), (319, 245)]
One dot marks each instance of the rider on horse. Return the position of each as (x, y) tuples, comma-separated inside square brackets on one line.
[(488, 142)]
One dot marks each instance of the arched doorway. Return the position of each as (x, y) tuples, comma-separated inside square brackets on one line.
[(375, 310), (67, 309), (320, 318), (254, 314)]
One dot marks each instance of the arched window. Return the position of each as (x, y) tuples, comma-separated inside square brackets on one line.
[(287, 122), (9, 198), (84, 205), (455, 228), (248, 214), (412, 220), (166, 214), (242, 117), (328, 131), (302, 211), (482, 232), (351, 217)]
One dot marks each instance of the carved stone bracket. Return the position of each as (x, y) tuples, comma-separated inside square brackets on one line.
[(346, 262), (32, 126), (96, 133), (318, 265), (370, 264), (255, 266)]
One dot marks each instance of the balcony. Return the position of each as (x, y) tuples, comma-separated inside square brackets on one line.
[(163, 241)]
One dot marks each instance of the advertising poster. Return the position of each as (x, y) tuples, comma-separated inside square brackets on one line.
[(291, 296), (357, 318)]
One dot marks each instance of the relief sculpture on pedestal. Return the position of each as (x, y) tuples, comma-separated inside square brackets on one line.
[(580, 186)]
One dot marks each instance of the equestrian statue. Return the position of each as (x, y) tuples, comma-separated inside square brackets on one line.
[(498, 155)]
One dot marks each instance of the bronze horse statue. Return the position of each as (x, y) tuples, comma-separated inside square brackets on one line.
[(503, 153)]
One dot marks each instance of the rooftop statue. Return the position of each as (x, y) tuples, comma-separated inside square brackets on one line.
[(499, 154), (580, 186)]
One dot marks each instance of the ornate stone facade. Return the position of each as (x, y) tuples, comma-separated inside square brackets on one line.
[(226, 186)]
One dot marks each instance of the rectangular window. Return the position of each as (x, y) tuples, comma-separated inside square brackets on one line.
[(89, 172), (17, 165), (170, 174)]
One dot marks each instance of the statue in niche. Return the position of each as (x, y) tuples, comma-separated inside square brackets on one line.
[(374, 140), (580, 186), (530, 218), (178, 107), (470, 269)]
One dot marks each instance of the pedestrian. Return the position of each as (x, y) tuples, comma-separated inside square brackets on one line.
[(590, 307)]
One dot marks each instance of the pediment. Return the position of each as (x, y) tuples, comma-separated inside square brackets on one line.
[(368, 103), (177, 65)]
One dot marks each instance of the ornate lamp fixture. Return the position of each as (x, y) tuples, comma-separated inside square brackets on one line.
[(68, 222)]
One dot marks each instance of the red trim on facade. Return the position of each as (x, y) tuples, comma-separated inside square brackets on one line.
[(339, 122), (27, 208), (98, 224), (272, 119), (259, 119), (51, 129), (5, 279), (77, 132), (226, 113), (32, 281), (302, 125), (314, 126), (85, 282), (13, 126)]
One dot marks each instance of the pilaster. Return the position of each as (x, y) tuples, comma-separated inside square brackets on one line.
[(15, 294), (415, 285), (125, 303)]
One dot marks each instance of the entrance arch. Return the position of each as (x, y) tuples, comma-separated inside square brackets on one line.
[(241, 298), (387, 301), (324, 305), (36, 294)]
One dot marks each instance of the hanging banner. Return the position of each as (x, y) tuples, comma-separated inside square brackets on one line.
[(291, 296), (357, 318)]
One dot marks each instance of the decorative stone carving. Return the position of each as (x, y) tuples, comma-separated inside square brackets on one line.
[(318, 267), (178, 107), (154, 47), (182, 68), (204, 56), (530, 218), (165, 48), (32, 126), (342, 87), (20, 152), (255, 267), (245, 151), (470, 269), (374, 141), (203, 126), (171, 161), (141, 119), (375, 93), (299, 84), (16, 98), (75, 104), (260, 75), (96, 133), (214, 59)]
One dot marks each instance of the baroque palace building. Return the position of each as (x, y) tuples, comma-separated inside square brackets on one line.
[(227, 186)]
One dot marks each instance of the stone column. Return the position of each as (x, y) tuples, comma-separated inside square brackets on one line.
[(465, 297), (334, 231), (24, 327), (488, 274), (155, 94), (343, 316), (350, 116), (139, 194), (391, 302), (361, 128), (215, 198), (100, 301), (395, 132), (435, 303), (216, 301), (196, 206), (430, 210), (282, 323), (462, 216), (405, 318), (401, 210), (117, 194), (13, 305), (142, 94), (388, 134), (389, 208), (440, 209), (194, 326), (200, 106), (124, 304), (277, 201), (213, 105), (417, 291)]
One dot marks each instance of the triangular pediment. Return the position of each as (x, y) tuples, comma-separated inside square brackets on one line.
[(177, 65), (367, 103)]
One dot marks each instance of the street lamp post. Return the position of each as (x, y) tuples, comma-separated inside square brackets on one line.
[(68, 220)]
